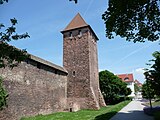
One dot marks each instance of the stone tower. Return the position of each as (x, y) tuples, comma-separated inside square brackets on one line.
[(81, 62)]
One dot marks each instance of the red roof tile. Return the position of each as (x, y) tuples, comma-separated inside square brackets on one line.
[(126, 77), (138, 83)]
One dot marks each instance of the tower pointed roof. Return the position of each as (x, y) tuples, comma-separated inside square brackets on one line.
[(76, 22)]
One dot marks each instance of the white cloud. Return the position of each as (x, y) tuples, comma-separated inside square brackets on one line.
[(140, 70), (138, 74)]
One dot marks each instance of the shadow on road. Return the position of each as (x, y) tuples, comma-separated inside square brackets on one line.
[(105, 116), (130, 115)]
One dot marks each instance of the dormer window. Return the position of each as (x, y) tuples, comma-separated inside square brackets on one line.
[(126, 78)]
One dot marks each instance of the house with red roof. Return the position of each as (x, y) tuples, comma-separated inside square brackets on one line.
[(138, 83), (128, 78)]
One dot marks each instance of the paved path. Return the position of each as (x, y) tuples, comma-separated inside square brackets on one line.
[(133, 111)]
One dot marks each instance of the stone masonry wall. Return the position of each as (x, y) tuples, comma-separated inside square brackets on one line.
[(94, 76), (75, 60), (34, 88), (80, 60)]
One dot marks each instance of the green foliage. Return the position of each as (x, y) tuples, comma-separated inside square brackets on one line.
[(112, 87), (153, 74), (9, 55), (127, 91), (135, 20), (137, 88), (147, 90), (76, 1), (3, 95), (2, 1), (104, 113)]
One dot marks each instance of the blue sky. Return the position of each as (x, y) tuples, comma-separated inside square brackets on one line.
[(44, 20)]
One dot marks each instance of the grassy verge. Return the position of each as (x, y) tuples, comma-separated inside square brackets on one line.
[(156, 103), (104, 113), (153, 104)]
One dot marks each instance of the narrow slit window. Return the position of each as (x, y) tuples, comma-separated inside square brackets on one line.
[(74, 73)]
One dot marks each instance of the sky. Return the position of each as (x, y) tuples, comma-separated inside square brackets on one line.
[(44, 19)]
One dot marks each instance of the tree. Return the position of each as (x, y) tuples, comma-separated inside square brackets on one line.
[(136, 87), (147, 90), (9, 55), (112, 87), (153, 74), (135, 20), (2, 1), (127, 91)]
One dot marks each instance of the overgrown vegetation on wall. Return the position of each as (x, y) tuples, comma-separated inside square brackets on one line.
[(3, 95)]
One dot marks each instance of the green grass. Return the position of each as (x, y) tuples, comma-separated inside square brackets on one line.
[(156, 103), (104, 113)]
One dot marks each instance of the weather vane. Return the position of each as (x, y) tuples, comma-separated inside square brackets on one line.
[(74, 1)]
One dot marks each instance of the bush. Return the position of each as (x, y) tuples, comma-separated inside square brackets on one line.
[(129, 98)]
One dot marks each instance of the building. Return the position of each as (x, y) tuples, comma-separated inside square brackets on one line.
[(37, 86), (81, 61), (138, 94), (138, 83), (128, 78)]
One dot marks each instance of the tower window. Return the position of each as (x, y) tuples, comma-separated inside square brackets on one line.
[(80, 33), (74, 73), (70, 35)]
